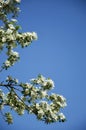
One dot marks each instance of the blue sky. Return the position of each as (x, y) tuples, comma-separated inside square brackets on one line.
[(59, 53)]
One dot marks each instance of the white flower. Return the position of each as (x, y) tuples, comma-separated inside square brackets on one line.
[(50, 82), (16, 80), (43, 93), (37, 106), (3, 39), (32, 79), (26, 91), (64, 104), (14, 20), (15, 53), (9, 31), (26, 44), (54, 116), (41, 112), (19, 35), (42, 78), (34, 36), (33, 95), (62, 98), (44, 105), (54, 96), (11, 26), (63, 101), (28, 85), (7, 63), (18, 1), (38, 81), (62, 116), (11, 37)]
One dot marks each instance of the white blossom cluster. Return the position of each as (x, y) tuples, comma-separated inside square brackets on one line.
[(16, 104), (47, 84), (26, 38), (35, 99), (8, 117), (2, 95), (13, 57), (10, 38), (10, 35), (8, 7)]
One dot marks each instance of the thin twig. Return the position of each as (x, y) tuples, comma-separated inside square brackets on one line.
[(22, 101), (10, 86)]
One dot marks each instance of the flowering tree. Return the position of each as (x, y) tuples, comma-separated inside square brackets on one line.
[(32, 97)]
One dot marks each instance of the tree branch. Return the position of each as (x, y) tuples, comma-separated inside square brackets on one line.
[(10, 86)]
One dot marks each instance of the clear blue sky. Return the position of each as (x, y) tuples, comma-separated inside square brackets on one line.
[(59, 53)]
